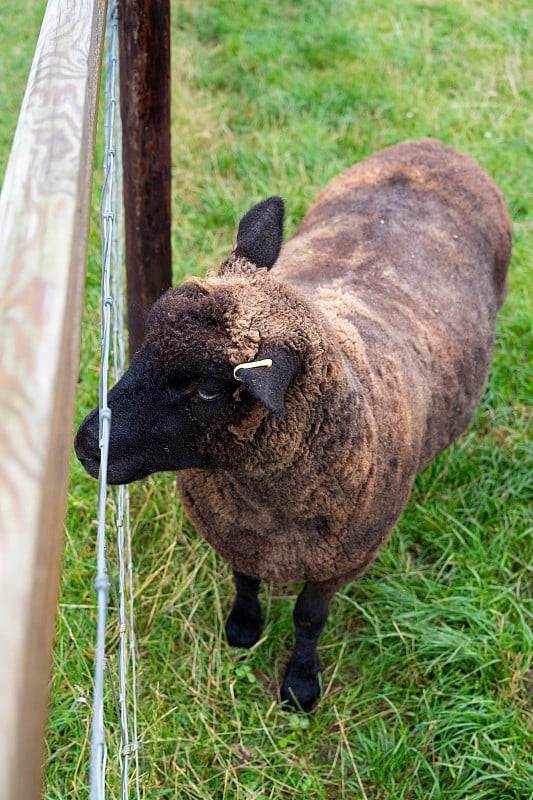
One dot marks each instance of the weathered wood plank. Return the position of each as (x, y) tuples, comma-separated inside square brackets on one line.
[(144, 32), (44, 210)]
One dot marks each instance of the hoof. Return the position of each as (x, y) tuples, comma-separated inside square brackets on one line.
[(243, 629), (302, 686)]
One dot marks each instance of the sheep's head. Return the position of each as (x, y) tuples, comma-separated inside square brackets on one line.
[(190, 398)]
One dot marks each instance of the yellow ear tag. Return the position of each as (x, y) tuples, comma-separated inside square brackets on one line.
[(266, 362)]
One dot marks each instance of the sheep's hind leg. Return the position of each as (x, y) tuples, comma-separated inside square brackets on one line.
[(245, 621), (301, 684)]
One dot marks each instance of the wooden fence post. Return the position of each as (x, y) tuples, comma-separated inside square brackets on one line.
[(144, 31), (44, 223)]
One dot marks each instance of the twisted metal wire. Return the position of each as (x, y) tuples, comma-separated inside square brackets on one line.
[(113, 345)]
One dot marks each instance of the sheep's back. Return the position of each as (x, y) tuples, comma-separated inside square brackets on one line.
[(407, 253), (404, 211)]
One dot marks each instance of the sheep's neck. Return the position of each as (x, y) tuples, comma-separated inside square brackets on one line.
[(321, 452)]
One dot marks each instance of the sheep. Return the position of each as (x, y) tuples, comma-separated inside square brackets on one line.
[(298, 393)]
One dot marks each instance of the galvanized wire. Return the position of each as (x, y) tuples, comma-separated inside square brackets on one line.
[(113, 348)]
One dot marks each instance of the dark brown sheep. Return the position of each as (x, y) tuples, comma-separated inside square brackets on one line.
[(378, 322)]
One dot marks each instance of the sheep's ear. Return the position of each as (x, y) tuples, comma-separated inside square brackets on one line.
[(268, 380), (261, 232)]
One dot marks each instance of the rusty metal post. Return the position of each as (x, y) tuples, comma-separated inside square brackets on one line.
[(144, 31)]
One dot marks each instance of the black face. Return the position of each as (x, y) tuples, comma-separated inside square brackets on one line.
[(177, 405), (159, 423)]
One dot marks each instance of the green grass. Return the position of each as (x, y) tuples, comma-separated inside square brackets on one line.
[(19, 29), (429, 681)]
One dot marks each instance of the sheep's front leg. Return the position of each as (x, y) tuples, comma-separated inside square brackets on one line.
[(301, 684), (244, 623)]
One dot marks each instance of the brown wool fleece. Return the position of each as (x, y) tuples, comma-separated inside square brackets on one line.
[(388, 295)]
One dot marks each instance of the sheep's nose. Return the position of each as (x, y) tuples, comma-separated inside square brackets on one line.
[(86, 443)]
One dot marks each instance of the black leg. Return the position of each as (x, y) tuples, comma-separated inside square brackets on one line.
[(301, 684), (243, 626)]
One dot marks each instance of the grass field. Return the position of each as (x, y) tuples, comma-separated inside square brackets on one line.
[(428, 673)]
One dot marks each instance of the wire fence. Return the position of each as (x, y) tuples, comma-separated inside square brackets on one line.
[(113, 352)]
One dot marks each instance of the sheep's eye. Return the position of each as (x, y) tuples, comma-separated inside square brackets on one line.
[(204, 395)]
